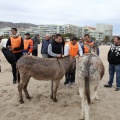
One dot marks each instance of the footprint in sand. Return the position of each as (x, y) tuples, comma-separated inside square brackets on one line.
[(11, 114)]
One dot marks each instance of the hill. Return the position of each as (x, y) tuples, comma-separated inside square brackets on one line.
[(17, 25)]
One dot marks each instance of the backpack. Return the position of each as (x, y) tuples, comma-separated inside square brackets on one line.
[(9, 55)]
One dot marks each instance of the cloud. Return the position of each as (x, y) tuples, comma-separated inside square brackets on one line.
[(77, 12)]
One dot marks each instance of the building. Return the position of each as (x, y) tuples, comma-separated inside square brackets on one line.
[(105, 28), (71, 29), (50, 29), (99, 36)]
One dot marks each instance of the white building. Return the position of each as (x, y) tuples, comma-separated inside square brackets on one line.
[(71, 29), (105, 28), (99, 36), (50, 29)]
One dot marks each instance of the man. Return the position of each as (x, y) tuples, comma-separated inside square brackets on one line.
[(36, 41), (2, 44), (72, 48), (114, 64), (15, 44), (55, 48), (81, 43), (44, 48), (28, 44), (89, 43)]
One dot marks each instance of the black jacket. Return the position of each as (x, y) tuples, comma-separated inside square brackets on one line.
[(114, 55), (56, 48)]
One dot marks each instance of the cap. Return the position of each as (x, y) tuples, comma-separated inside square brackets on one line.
[(27, 33)]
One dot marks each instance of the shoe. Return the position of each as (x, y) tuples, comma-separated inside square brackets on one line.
[(14, 81), (107, 85), (73, 84), (117, 89), (67, 85)]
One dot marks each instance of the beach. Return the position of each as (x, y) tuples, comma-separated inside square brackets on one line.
[(68, 107)]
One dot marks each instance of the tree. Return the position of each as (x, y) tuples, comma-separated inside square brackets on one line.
[(67, 35), (106, 39), (93, 38)]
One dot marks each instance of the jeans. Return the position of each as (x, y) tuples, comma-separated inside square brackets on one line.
[(45, 55), (35, 52), (18, 56), (112, 70), (70, 77)]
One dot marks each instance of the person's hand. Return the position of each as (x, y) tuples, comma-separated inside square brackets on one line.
[(59, 56), (10, 48)]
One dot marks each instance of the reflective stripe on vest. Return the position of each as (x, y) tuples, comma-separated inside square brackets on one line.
[(73, 49), (15, 42)]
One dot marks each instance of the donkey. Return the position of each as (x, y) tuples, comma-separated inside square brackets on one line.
[(42, 69), (90, 71)]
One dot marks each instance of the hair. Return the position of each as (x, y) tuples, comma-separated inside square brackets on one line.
[(117, 37), (57, 35), (53, 36), (87, 35), (14, 29), (74, 38)]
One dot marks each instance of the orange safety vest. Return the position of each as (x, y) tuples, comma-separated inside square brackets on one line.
[(73, 49), (15, 42), (28, 43), (87, 46)]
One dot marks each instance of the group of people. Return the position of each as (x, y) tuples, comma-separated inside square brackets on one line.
[(56, 47), (20, 47)]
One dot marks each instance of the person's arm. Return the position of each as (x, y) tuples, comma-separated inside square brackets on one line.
[(8, 43), (21, 46), (109, 54), (66, 50), (31, 46), (80, 50), (50, 51)]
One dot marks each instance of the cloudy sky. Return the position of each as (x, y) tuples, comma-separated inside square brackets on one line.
[(77, 12)]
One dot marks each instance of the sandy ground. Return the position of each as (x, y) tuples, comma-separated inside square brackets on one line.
[(41, 107)]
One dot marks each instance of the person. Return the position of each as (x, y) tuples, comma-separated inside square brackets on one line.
[(55, 48), (53, 38), (72, 48), (15, 44), (28, 44), (114, 64), (89, 43), (2, 45), (62, 41), (36, 41), (81, 43), (44, 47)]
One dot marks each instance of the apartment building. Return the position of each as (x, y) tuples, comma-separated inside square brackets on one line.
[(105, 28), (99, 36), (50, 29)]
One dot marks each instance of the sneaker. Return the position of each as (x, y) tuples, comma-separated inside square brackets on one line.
[(117, 89), (73, 84), (107, 85), (14, 82)]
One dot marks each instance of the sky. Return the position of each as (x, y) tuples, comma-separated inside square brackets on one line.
[(76, 12)]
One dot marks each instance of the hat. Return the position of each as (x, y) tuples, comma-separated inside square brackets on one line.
[(27, 33)]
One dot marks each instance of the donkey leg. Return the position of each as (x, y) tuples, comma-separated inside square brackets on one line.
[(26, 91), (55, 87), (51, 96), (20, 93)]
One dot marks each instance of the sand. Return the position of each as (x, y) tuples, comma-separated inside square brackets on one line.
[(41, 107)]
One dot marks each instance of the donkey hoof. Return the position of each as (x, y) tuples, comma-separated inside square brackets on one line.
[(21, 101), (51, 97), (28, 97), (55, 100)]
